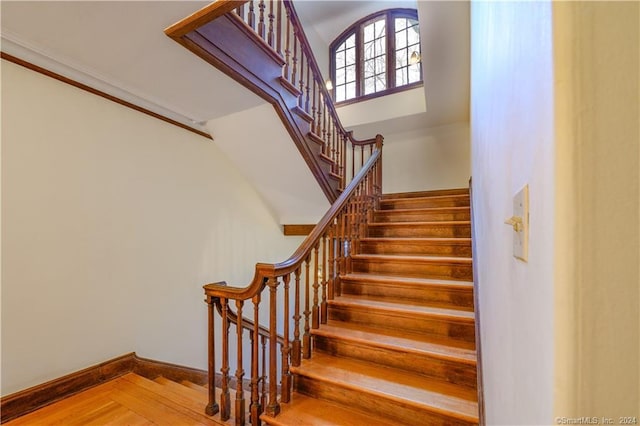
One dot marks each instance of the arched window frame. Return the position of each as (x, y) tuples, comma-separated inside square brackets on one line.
[(358, 29)]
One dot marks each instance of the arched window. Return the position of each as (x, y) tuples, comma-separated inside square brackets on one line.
[(377, 55)]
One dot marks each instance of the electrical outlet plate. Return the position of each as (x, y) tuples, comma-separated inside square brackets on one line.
[(521, 236)]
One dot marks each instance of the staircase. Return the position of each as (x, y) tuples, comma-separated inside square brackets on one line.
[(399, 343)]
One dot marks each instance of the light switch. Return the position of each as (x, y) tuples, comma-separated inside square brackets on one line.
[(520, 223)]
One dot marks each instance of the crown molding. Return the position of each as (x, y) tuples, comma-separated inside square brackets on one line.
[(11, 44)]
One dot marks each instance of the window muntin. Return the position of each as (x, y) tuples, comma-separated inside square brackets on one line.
[(374, 55)]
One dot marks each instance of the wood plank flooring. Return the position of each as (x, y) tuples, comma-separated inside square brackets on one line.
[(128, 400)]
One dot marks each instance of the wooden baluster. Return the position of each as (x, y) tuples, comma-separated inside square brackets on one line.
[(318, 123), (286, 376), (212, 407), (294, 60), (301, 69), (306, 337), (343, 167), (308, 88), (315, 317), (295, 346), (255, 408), (261, 24), (287, 48), (273, 409), (325, 275), (332, 261), (240, 404), (270, 36), (263, 397), (324, 121), (334, 146), (353, 160), (313, 107), (225, 399), (279, 29), (361, 156), (252, 16)]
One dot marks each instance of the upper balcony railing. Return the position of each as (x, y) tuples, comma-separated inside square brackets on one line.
[(280, 66)]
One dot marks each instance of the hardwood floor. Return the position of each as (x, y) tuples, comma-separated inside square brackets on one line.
[(128, 400)]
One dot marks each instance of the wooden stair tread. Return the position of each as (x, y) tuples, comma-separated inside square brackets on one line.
[(307, 411), (402, 308), (421, 337), (406, 258), (405, 342), (431, 197), (417, 223), (424, 210), (199, 388), (450, 240), (401, 387), (406, 280), (430, 193)]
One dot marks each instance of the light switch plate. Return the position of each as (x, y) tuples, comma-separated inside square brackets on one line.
[(521, 237)]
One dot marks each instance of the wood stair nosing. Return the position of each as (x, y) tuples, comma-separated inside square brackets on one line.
[(424, 202), (433, 246), (429, 213), (440, 362), (437, 267), (385, 391), (443, 229), (305, 411), (438, 322), (438, 293), (429, 193)]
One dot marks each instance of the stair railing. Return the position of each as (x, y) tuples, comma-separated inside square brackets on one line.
[(296, 293), (277, 28), (278, 25)]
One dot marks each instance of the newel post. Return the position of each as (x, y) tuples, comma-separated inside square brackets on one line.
[(212, 407), (379, 143), (273, 409)]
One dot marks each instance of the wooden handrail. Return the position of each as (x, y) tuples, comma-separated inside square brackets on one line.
[(284, 71), (313, 273), (267, 270), (262, 45)]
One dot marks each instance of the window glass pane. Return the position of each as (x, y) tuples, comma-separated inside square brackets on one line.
[(369, 85), (381, 46), (381, 62), (380, 27), (340, 93), (368, 51), (401, 77), (413, 35), (340, 76), (341, 47), (351, 56), (340, 59), (401, 58), (369, 68), (351, 90), (381, 84), (401, 39), (351, 73), (401, 24), (351, 41), (414, 73), (368, 33)]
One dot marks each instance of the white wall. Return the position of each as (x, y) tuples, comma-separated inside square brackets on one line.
[(111, 222), (512, 144), (597, 55), (434, 158)]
